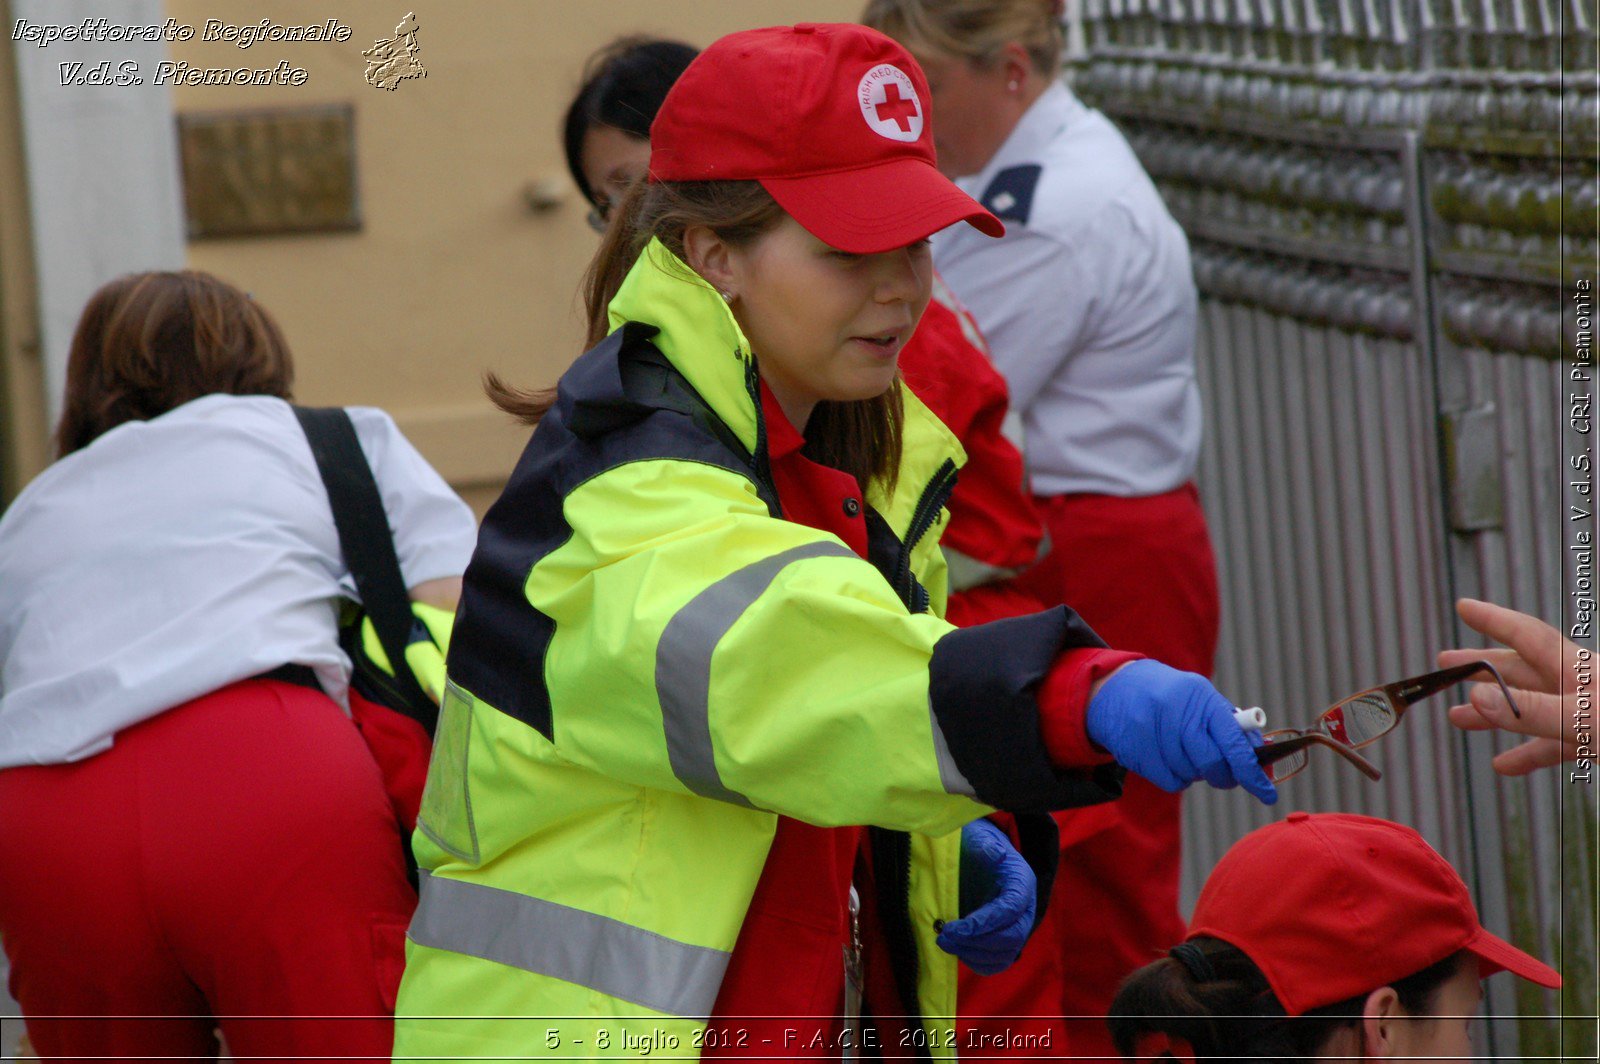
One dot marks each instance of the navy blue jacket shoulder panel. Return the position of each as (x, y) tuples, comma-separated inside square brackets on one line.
[(614, 405)]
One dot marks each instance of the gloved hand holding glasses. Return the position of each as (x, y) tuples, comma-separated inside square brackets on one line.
[(1170, 727), (1173, 728)]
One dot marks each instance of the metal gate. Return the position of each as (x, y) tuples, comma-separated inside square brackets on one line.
[(1392, 207)]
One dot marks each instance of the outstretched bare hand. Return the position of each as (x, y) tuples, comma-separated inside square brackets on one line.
[(1547, 673)]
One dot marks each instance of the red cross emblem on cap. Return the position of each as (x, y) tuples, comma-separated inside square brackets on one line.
[(895, 109), (889, 103)]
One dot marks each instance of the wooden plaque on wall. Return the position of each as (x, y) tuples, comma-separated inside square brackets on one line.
[(269, 172)]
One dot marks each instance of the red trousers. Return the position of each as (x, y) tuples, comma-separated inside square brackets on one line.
[(233, 863), (1141, 573)]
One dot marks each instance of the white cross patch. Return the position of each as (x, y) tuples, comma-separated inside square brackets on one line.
[(889, 103)]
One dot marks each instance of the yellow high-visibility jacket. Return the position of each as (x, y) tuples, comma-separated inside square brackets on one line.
[(650, 665)]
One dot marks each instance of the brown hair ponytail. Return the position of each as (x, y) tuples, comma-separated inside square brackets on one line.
[(737, 211), (620, 246)]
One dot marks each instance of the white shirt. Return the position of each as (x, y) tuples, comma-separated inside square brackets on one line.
[(171, 557), (1088, 304)]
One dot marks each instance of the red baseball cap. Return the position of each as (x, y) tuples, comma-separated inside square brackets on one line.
[(1332, 905), (831, 118)]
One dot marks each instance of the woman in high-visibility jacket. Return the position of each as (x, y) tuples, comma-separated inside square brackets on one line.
[(699, 683), (993, 533)]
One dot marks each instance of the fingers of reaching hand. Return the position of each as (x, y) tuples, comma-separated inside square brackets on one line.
[(1532, 755), (1466, 717), (1540, 645), (1542, 714), (1513, 669)]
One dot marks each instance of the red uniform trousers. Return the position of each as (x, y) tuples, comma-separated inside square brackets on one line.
[(233, 862), (1140, 571)]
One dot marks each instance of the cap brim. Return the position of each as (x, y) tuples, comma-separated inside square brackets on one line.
[(878, 208), (1495, 954)]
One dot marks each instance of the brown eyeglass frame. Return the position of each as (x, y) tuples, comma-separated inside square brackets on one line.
[(1401, 696), (1295, 740)]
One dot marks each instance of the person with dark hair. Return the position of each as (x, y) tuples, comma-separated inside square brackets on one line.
[(192, 831), (606, 131), (1325, 936), (706, 734)]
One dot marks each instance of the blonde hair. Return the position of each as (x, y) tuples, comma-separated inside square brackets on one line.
[(974, 29)]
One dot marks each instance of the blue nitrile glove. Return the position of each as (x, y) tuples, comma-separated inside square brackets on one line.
[(998, 896), (1173, 728)]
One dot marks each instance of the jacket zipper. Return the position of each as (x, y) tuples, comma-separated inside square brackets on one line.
[(934, 496)]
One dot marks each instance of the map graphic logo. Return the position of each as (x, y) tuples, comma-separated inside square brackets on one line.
[(392, 61)]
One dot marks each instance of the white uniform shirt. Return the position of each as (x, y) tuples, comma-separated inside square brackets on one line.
[(1088, 304), (171, 557)]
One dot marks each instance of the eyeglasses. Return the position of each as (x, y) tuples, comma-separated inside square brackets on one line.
[(1287, 751), (1362, 719)]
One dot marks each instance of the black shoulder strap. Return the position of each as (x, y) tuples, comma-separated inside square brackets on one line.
[(365, 539)]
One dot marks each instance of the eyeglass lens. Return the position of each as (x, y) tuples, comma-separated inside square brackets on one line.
[(1360, 720), (1289, 766), (1281, 768)]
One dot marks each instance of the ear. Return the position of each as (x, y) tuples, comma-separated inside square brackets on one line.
[(1381, 1017), (711, 257), (1017, 64)]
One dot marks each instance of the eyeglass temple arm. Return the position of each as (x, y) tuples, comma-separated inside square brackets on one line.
[(1277, 751), (1410, 692)]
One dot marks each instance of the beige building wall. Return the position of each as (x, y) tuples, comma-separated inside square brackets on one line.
[(451, 273)]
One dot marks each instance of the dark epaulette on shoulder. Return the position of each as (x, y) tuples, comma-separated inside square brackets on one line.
[(1009, 196)]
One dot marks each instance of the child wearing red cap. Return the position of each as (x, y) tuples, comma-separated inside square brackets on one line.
[(1325, 936), (707, 737)]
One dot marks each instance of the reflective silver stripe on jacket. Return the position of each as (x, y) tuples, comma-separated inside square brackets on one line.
[(950, 775), (545, 938), (683, 664), (967, 572)]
